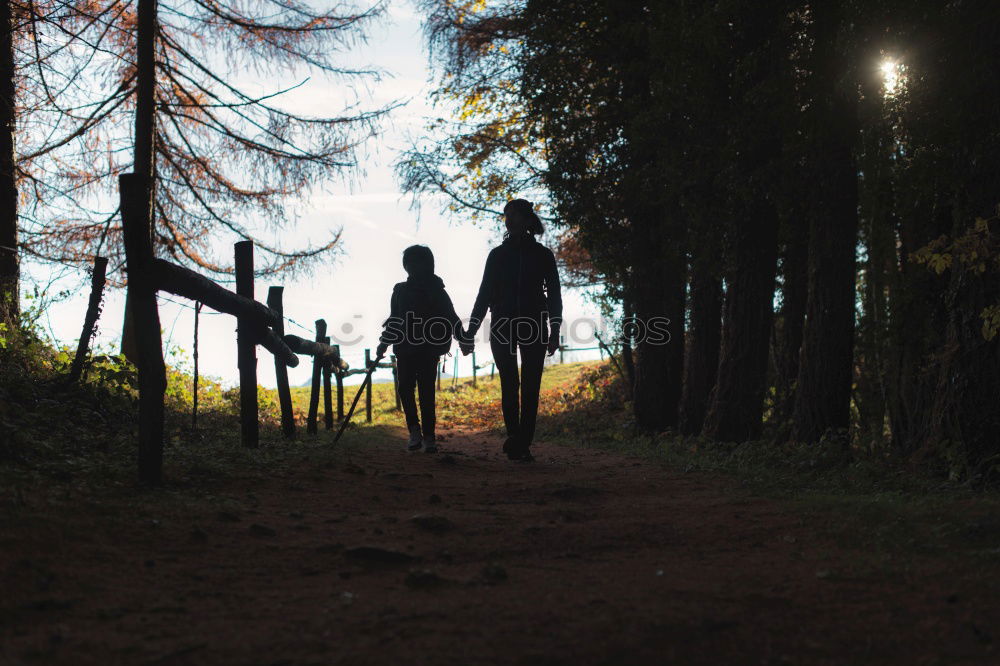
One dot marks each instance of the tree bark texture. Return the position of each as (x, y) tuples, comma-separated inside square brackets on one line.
[(658, 297), (702, 340), (790, 320), (823, 387), (145, 127), (735, 407)]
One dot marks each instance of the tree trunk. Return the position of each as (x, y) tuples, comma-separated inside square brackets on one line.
[(9, 260), (918, 316), (702, 338), (145, 127), (878, 280), (787, 341), (628, 361), (736, 404), (658, 298), (823, 388)]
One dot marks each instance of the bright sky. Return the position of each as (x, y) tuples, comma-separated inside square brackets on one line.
[(352, 293)]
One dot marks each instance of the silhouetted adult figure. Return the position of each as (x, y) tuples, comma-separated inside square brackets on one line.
[(521, 289)]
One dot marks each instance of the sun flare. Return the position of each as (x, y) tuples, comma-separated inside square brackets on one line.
[(892, 75)]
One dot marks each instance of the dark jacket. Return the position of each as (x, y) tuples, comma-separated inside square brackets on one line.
[(521, 280), (421, 317)]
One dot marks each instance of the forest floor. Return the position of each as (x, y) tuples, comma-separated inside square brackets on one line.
[(363, 554), (610, 549)]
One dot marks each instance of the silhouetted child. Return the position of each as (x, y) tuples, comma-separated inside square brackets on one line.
[(420, 327)]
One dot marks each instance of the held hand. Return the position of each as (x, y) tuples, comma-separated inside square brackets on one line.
[(553, 345), (466, 348)]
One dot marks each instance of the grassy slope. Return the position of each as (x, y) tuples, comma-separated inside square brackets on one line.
[(458, 404)]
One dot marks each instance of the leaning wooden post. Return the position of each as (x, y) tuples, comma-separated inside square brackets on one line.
[(493, 369), (340, 390), (562, 347), (246, 348), (194, 391), (395, 381), (136, 208), (97, 281), (311, 425), (275, 302), (368, 388), (327, 393), (473, 369)]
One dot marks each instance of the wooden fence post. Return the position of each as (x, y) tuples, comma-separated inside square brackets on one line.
[(454, 373), (368, 388), (327, 393), (143, 157), (562, 347), (246, 348), (340, 391), (136, 207), (275, 301), (439, 366), (395, 381), (493, 369), (473, 369), (194, 388), (311, 424), (97, 281)]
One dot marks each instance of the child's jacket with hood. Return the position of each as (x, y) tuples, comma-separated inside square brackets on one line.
[(421, 317)]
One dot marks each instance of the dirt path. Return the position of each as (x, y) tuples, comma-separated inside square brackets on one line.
[(464, 558)]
